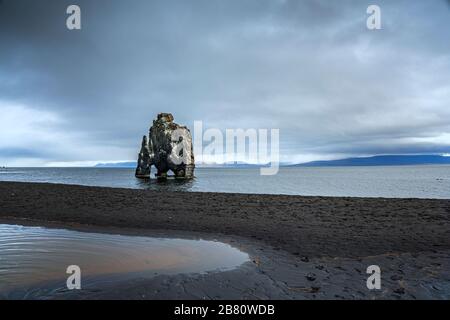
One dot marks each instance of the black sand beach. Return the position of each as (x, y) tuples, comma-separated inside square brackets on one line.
[(301, 247)]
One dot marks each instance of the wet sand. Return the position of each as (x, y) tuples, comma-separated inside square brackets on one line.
[(301, 247)]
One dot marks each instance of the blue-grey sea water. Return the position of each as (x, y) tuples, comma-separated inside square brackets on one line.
[(392, 181)]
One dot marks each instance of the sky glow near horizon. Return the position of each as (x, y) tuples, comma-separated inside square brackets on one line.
[(309, 68)]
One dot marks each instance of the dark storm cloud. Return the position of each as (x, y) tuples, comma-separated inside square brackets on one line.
[(310, 68)]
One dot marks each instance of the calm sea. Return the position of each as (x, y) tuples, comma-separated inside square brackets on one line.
[(394, 181)]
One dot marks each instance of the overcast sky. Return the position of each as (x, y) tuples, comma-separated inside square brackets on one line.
[(310, 68)]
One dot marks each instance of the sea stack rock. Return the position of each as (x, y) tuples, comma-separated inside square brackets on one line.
[(169, 147), (143, 165)]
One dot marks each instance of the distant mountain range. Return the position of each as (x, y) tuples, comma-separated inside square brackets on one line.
[(131, 164), (385, 160)]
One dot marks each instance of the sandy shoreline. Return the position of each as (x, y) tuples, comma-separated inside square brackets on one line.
[(308, 226), (289, 236)]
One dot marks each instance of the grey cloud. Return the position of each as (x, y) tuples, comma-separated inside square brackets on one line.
[(310, 68), (12, 153)]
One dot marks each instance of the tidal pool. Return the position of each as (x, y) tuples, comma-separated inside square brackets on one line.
[(34, 257)]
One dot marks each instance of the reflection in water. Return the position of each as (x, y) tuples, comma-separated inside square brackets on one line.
[(174, 185), (35, 256)]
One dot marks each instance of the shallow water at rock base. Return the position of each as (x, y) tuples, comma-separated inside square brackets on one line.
[(34, 259)]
